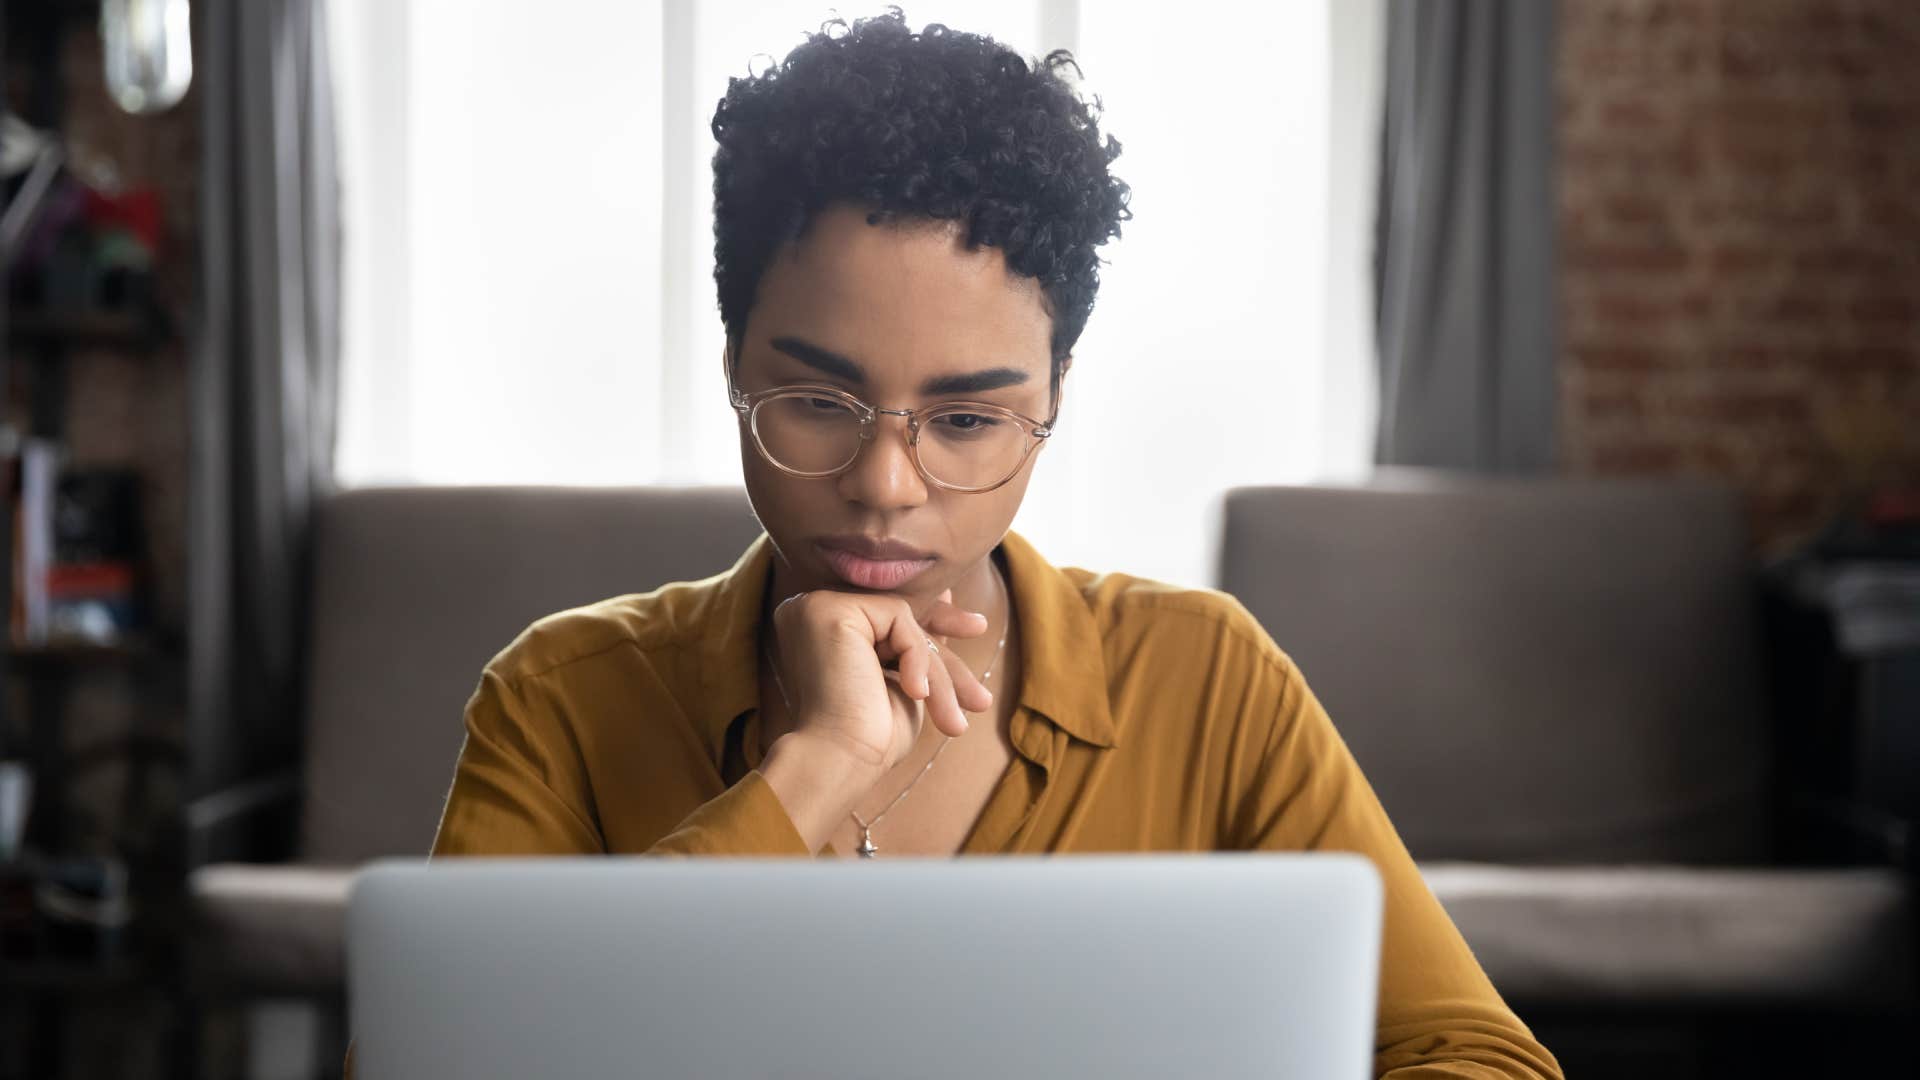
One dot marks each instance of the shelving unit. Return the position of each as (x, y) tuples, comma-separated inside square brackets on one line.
[(41, 988), (47, 341), (62, 331)]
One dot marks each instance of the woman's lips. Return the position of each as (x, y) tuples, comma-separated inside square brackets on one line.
[(872, 573)]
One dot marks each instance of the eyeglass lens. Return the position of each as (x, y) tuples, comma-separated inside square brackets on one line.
[(813, 434)]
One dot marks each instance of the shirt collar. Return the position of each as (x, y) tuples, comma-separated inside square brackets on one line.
[(1063, 668)]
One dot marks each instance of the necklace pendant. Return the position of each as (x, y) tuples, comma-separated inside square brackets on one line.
[(866, 848)]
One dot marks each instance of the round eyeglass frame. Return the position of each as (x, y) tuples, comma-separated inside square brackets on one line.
[(748, 406)]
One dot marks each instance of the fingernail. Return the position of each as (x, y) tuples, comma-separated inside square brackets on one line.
[(964, 725)]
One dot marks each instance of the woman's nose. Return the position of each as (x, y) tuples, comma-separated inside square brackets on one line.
[(882, 474)]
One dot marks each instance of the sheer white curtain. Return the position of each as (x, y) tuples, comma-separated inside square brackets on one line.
[(529, 251)]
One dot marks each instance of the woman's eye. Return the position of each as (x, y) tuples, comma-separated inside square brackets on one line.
[(967, 423)]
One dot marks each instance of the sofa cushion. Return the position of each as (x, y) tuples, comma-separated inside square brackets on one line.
[(415, 589), (1545, 935), (1543, 670), (1713, 936)]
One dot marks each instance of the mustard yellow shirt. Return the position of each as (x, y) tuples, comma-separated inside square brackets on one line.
[(1150, 718)]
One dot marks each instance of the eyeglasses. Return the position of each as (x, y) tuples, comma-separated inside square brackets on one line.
[(817, 431)]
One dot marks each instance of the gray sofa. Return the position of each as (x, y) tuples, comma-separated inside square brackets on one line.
[(1552, 684), (415, 589)]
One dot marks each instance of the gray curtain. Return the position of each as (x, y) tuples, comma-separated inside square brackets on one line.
[(264, 384), (1465, 252)]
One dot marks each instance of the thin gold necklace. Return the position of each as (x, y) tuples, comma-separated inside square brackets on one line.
[(867, 848)]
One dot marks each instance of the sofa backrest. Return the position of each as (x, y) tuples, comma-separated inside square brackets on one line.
[(1528, 670), (417, 588)]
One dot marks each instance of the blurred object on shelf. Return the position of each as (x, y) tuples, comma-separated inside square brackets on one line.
[(73, 910), (77, 549), (97, 516), (21, 147), (26, 150), (32, 468), (148, 52), (93, 583), (16, 795), (92, 603), (87, 251), (77, 243), (82, 902)]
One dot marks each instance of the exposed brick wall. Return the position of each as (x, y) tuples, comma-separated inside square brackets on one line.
[(1740, 220)]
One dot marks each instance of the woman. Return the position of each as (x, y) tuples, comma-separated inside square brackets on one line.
[(905, 229)]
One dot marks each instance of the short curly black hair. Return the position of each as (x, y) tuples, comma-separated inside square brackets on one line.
[(937, 125)]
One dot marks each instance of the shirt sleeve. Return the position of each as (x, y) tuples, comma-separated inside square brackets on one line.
[(1439, 1015), (520, 787)]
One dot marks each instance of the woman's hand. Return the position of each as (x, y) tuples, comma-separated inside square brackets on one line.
[(863, 677)]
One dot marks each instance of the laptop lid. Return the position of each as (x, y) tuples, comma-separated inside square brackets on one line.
[(1224, 966)]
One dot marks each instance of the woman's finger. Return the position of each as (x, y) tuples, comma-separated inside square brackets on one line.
[(915, 662), (906, 708), (971, 694), (943, 709), (909, 642), (946, 617)]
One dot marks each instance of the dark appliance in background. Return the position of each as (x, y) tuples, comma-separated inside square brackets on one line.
[(1843, 627)]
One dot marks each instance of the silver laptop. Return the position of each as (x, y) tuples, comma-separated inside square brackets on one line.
[(1223, 966)]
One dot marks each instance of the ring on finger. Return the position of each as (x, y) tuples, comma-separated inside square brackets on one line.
[(932, 647)]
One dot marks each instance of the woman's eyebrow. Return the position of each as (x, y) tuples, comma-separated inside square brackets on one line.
[(840, 367)]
